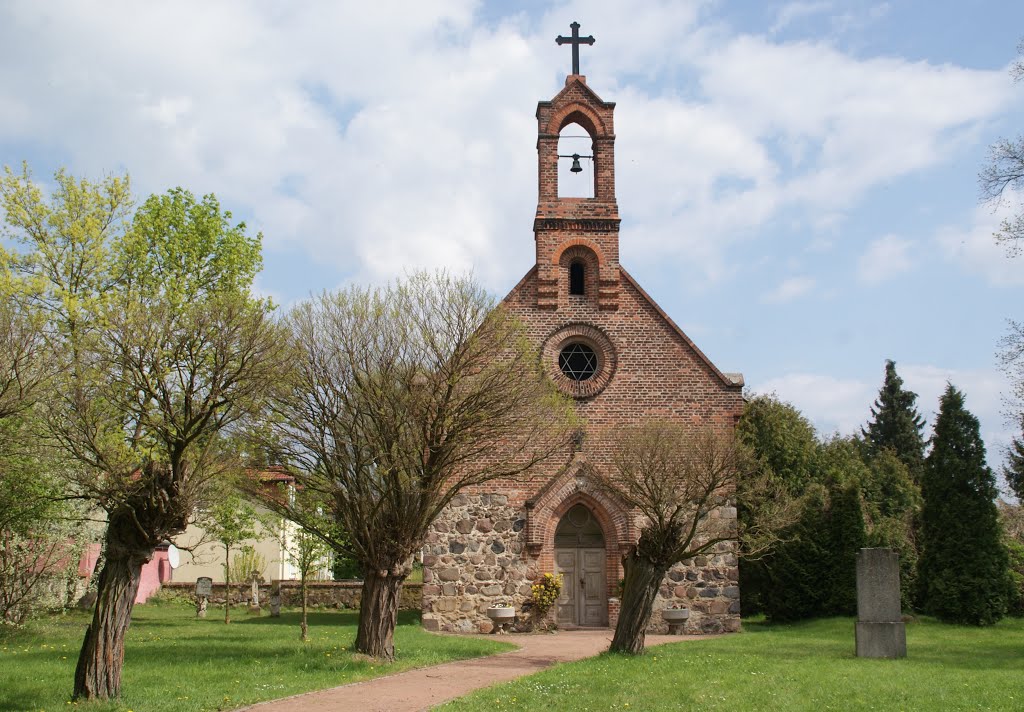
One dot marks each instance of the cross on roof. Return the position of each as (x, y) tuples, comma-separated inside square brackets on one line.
[(575, 41)]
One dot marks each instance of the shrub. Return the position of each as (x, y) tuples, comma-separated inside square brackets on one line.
[(545, 592)]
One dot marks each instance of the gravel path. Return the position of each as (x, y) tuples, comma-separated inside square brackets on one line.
[(424, 688)]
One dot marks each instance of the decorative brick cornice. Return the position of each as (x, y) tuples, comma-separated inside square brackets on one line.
[(577, 225)]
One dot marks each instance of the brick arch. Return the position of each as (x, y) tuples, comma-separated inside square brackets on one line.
[(577, 113), (599, 510), (579, 242), (573, 486)]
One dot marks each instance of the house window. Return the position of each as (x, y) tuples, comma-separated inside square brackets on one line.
[(576, 278)]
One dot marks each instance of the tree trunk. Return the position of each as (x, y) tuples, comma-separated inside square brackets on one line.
[(639, 589), (302, 626), (98, 674), (227, 584), (378, 613)]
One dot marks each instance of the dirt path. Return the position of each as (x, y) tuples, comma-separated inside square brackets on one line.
[(424, 688)]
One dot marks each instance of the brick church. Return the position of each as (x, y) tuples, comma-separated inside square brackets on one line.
[(607, 344)]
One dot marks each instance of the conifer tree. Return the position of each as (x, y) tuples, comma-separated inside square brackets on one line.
[(964, 569), (895, 423), (1013, 470)]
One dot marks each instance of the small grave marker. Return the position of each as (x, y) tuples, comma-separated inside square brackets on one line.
[(204, 590)]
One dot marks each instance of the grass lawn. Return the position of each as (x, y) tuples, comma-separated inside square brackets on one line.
[(174, 661), (808, 666)]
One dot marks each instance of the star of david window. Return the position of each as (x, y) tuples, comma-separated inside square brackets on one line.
[(578, 361)]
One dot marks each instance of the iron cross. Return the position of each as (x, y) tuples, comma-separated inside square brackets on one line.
[(575, 41)]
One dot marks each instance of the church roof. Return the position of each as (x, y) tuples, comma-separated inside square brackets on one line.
[(729, 379)]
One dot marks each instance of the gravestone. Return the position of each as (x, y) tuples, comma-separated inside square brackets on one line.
[(254, 600), (880, 630), (275, 599), (204, 590)]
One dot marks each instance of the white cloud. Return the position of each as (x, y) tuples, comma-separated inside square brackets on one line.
[(975, 249), (792, 11), (885, 258), (835, 404), (376, 156), (789, 289)]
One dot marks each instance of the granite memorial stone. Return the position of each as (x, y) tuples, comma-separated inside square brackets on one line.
[(880, 630)]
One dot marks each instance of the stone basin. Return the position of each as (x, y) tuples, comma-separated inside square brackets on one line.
[(501, 614), (675, 615)]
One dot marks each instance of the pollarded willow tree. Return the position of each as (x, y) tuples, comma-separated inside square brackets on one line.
[(401, 397), (164, 349), (678, 479)]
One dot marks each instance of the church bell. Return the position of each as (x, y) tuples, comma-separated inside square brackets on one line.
[(576, 167)]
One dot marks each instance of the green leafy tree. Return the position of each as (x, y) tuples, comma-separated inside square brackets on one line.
[(895, 423), (160, 358), (963, 571), (1013, 470), (892, 508), (1011, 517), (846, 536), (230, 521), (786, 445), (308, 552), (798, 569)]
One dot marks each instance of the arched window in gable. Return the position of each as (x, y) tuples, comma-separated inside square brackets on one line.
[(577, 278)]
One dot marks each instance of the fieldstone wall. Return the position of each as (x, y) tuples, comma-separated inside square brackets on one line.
[(707, 585), (475, 558), (319, 594)]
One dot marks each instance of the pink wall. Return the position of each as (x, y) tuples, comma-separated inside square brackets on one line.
[(154, 572)]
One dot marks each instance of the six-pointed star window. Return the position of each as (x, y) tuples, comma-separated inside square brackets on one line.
[(578, 361)]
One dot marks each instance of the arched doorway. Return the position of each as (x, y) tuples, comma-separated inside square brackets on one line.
[(580, 558)]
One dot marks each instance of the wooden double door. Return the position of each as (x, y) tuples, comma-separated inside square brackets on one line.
[(584, 598)]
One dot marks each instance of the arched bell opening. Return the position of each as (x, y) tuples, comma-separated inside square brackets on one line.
[(581, 559), (575, 162)]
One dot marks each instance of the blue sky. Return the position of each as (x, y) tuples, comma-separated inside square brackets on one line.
[(797, 180)]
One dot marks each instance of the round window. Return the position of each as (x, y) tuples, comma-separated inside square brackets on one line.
[(578, 361)]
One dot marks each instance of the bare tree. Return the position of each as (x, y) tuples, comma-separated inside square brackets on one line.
[(677, 480), (402, 397), (1005, 170)]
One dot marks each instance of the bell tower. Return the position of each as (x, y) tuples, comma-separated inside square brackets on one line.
[(577, 238)]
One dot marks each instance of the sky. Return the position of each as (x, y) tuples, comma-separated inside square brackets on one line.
[(797, 181)]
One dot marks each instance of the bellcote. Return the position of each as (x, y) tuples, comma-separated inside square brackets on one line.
[(577, 236)]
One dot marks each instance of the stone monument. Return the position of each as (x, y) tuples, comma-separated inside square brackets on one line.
[(880, 630)]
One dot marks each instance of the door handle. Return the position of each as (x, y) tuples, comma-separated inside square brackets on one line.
[(583, 583)]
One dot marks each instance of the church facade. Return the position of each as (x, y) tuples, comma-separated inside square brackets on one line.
[(608, 345)]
